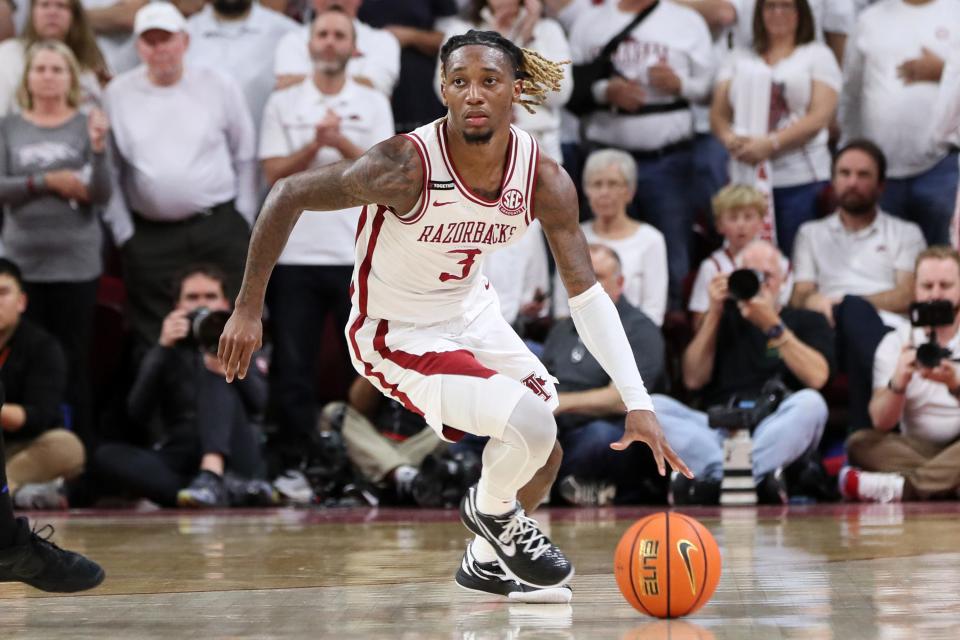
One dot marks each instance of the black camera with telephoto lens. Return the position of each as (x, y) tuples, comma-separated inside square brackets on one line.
[(932, 314), (205, 328), (744, 284), (746, 412)]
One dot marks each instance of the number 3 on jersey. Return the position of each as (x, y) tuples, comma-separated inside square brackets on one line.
[(470, 257)]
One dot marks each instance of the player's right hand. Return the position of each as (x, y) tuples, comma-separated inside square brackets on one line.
[(241, 337)]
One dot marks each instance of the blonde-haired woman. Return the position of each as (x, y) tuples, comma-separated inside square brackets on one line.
[(63, 20), (53, 169), (804, 84), (610, 182)]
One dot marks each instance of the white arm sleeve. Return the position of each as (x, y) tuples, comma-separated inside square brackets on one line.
[(598, 325)]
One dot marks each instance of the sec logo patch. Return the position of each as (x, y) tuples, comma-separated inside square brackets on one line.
[(511, 203)]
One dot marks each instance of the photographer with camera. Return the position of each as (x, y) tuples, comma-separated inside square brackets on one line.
[(917, 386), (747, 342), (206, 423)]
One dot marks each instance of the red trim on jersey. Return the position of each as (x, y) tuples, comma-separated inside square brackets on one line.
[(456, 363), (532, 172), (716, 263), (421, 148), (367, 263), (369, 373), (510, 160), (360, 222)]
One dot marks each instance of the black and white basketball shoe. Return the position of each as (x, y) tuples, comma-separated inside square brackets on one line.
[(488, 577), (525, 553)]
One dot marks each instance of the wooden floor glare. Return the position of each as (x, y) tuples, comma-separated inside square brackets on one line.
[(842, 572)]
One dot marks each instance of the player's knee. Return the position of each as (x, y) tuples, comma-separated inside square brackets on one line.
[(536, 425)]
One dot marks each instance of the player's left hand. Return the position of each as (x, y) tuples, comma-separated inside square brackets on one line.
[(642, 426)]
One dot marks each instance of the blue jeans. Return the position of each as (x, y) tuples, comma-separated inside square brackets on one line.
[(789, 432), (927, 198), (664, 200), (587, 455), (711, 172), (794, 206)]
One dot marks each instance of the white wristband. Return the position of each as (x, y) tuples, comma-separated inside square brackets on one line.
[(598, 325)]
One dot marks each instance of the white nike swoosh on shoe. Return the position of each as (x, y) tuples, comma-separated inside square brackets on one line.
[(508, 550)]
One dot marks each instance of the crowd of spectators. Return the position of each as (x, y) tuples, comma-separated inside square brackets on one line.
[(810, 143)]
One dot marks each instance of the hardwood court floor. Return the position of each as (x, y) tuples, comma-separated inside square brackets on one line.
[(840, 572)]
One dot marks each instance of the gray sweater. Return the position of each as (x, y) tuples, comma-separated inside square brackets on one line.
[(51, 239)]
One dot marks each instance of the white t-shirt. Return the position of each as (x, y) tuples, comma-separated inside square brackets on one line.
[(378, 56), (859, 263), (119, 49), (875, 102), (643, 260), (289, 120), (519, 271), (544, 123), (790, 95), (183, 148), (930, 413), (721, 261), (672, 33), (242, 49)]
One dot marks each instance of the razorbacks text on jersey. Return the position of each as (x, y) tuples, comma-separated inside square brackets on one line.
[(423, 265)]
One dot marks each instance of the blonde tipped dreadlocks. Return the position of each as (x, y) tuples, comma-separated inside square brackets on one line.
[(538, 74)]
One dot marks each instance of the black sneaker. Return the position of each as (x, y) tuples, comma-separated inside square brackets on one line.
[(205, 492), (684, 491), (488, 577), (43, 565), (586, 493), (772, 489), (525, 553)]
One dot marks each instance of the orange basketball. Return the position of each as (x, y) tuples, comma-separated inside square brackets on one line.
[(667, 565)]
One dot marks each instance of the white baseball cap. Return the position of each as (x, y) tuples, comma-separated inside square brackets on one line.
[(159, 15)]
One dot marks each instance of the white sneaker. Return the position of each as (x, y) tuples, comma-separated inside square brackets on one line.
[(870, 486), (45, 496)]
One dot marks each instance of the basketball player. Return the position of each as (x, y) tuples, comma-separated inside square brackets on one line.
[(27, 557), (426, 328)]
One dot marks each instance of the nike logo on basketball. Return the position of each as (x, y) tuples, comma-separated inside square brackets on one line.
[(437, 203), (683, 548)]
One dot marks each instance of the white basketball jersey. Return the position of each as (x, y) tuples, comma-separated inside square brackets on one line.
[(423, 266)]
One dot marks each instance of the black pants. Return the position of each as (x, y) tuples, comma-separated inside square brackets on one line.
[(859, 331), (222, 426), (66, 309), (159, 251), (300, 298)]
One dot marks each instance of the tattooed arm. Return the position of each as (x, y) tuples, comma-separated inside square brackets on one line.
[(556, 209), (389, 174)]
